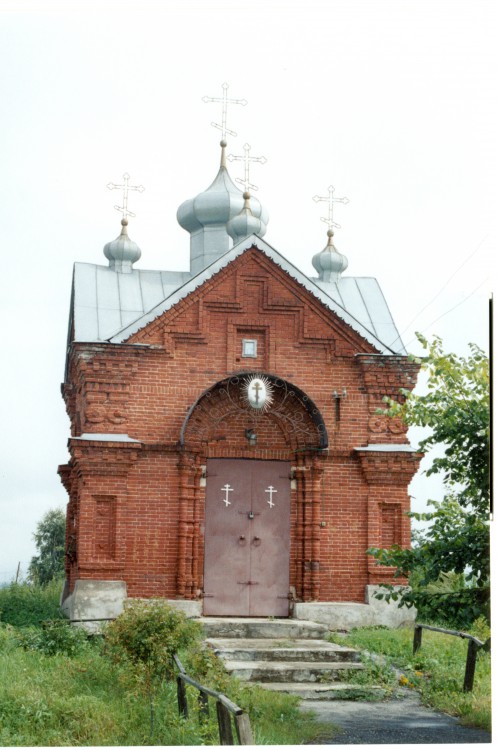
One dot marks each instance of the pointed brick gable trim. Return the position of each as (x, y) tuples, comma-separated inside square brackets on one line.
[(209, 273)]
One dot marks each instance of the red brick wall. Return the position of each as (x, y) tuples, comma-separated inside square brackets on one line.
[(137, 508)]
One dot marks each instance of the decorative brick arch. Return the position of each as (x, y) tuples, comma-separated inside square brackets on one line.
[(292, 414)]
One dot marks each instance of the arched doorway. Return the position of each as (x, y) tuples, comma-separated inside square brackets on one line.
[(249, 497)]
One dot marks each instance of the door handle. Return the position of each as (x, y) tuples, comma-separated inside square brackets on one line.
[(241, 539), (256, 541)]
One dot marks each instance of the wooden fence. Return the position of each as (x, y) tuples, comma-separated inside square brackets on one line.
[(474, 645), (225, 709)]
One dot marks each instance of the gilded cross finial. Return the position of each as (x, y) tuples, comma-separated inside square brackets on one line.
[(125, 187), (246, 158), (224, 110), (330, 200)]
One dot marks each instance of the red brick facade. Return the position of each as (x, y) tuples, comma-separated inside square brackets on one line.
[(136, 509)]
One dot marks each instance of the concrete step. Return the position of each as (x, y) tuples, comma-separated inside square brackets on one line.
[(260, 627), (274, 649), (290, 671), (290, 656), (320, 691)]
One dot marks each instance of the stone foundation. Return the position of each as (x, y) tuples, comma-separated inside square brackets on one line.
[(94, 602), (348, 615)]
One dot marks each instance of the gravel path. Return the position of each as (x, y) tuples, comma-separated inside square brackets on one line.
[(401, 721)]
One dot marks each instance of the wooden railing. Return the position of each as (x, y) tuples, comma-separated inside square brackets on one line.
[(224, 707), (474, 645)]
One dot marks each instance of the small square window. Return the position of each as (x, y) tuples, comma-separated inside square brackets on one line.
[(249, 347)]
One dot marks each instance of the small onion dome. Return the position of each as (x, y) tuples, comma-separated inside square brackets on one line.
[(245, 223), (217, 205), (329, 263), (122, 252)]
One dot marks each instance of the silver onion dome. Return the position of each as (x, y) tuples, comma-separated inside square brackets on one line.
[(329, 263), (245, 223), (122, 252)]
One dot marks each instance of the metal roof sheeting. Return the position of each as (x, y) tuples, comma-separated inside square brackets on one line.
[(106, 301), (363, 298)]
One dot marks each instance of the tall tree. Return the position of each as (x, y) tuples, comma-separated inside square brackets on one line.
[(456, 408), (50, 542)]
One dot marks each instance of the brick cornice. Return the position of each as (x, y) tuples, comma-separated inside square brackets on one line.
[(103, 457), (65, 472), (389, 467), (385, 375)]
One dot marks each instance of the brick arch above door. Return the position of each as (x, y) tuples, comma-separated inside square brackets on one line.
[(221, 416)]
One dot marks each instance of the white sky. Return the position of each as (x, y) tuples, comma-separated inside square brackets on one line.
[(394, 103)]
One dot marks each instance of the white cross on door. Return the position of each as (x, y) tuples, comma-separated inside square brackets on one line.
[(271, 491), (227, 488)]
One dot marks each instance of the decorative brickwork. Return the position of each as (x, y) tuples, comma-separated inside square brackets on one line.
[(388, 474)]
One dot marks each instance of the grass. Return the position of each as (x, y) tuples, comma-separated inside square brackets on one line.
[(23, 604), (276, 718), (84, 699), (436, 670)]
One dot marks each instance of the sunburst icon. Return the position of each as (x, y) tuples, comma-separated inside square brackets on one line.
[(258, 392)]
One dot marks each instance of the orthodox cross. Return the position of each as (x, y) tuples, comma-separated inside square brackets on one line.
[(330, 200), (224, 111), (125, 187), (246, 158), (226, 489), (257, 387), (271, 491)]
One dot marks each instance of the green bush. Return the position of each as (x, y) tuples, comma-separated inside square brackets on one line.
[(450, 601), (23, 604), (145, 638), (453, 609), (148, 635), (54, 637)]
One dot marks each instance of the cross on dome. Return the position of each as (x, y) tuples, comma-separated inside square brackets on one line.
[(246, 158), (125, 187), (329, 263), (330, 200), (224, 110)]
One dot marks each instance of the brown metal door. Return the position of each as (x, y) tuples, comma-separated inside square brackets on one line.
[(247, 538)]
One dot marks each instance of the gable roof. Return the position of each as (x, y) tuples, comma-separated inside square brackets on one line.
[(110, 306)]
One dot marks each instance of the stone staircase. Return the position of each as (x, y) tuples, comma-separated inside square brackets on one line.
[(290, 656)]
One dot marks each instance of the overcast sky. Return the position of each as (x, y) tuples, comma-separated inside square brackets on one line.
[(391, 102)]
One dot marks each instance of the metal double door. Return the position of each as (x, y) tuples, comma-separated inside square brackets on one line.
[(247, 538)]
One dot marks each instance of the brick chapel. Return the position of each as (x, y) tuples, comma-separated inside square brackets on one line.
[(226, 450)]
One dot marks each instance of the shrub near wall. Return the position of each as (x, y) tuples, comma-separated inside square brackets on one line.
[(23, 604)]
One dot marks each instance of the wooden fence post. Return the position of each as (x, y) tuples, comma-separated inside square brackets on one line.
[(182, 700), (203, 702), (224, 724), (469, 676), (243, 729), (224, 707), (418, 634)]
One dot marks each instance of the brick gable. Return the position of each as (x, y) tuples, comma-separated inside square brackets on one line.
[(252, 291)]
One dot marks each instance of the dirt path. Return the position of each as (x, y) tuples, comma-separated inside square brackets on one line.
[(396, 722)]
